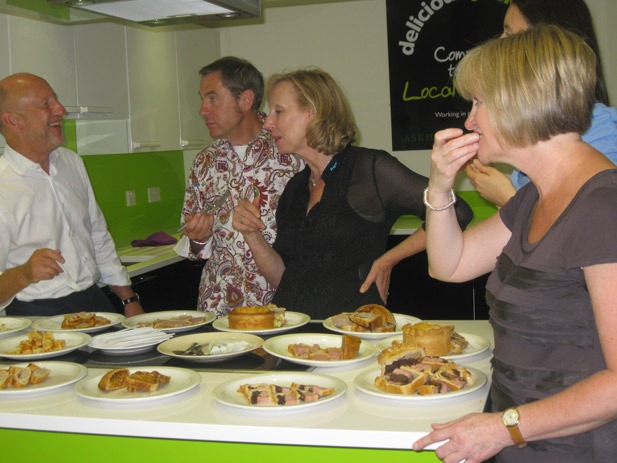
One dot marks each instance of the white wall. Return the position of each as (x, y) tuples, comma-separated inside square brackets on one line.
[(348, 40)]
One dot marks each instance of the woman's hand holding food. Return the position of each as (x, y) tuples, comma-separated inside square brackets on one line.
[(473, 438), (451, 150), (492, 184)]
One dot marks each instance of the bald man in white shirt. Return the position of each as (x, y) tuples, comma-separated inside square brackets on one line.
[(54, 247)]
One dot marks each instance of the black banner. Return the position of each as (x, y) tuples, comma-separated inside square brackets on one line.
[(426, 39)]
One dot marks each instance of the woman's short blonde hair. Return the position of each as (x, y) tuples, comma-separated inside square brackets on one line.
[(535, 84), (333, 126)]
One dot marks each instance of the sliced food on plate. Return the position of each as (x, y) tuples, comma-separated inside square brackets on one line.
[(81, 320), (372, 318), (349, 348), (279, 391), (408, 370), (18, 377), (170, 320), (262, 394), (38, 342), (138, 381)]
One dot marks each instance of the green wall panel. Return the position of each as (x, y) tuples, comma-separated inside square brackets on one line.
[(114, 174)]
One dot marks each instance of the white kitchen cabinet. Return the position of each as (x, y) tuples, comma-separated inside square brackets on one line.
[(194, 50), (100, 57), (5, 68), (46, 50), (153, 90)]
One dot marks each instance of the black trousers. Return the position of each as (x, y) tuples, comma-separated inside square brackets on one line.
[(92, 299)]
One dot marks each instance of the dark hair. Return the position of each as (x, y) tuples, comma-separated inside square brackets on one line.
[(237, 76), (573, 15)]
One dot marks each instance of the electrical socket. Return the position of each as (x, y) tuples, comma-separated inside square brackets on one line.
[(131, 198), (154, 194)]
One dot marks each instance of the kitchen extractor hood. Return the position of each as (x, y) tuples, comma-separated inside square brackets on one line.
[(169, 12)]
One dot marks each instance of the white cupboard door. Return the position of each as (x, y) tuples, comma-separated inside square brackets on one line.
[(153, 90), (5, 67), (100, 56), (46, 50), (195, 49)]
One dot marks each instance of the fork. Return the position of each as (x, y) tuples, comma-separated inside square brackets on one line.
[(211, 207)]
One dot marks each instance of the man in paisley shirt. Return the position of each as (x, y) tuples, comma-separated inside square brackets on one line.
[(242, 163)]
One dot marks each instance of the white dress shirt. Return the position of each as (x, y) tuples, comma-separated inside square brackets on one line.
[(57, 211)]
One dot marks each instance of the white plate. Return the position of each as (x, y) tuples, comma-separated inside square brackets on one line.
[(61, 374), (133, 322), (9, 325), (293, 320), (129, 341), (73, 341), (184, 342), (278, 346), (366, 383), (227, 393), (401, 320), (477, 344), (128, 350), (55, 323), (182, 380)]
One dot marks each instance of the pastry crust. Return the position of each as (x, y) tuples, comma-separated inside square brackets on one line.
[(256, 317), (434, 338), (114, 379), (350, 346)]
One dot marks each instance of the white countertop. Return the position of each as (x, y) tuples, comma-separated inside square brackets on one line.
[(355, 419)]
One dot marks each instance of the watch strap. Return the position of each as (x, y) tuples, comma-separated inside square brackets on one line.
[(130, 300), (517, 437)]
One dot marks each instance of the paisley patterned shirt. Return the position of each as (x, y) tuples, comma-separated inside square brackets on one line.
[(221, 176)]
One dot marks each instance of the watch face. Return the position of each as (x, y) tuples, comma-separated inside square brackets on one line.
[(511, 417)]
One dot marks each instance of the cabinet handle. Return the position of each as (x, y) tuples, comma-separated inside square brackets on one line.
[(145, 144), (185, 143)]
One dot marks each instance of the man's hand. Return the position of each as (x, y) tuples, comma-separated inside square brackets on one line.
[(44, 264)]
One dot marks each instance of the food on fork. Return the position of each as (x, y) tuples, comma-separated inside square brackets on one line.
[(350, 346), (373, 318), (81, 320), (407, 370), (258, 317), (20, 377), (139, 381), (38, 342)]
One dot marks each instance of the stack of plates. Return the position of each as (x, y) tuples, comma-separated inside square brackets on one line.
[(129, 341)]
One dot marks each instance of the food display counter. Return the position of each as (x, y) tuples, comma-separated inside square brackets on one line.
[(60, 425)]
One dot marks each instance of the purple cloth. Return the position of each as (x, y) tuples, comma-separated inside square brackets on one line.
[(155, 239)]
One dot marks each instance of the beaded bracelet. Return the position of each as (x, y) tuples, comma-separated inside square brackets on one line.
[(452, 201)]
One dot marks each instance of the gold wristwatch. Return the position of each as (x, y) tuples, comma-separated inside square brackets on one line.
[(511, 419)]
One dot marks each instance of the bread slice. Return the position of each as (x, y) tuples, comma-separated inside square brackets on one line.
[(114, 380)]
